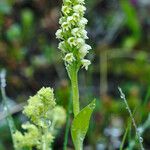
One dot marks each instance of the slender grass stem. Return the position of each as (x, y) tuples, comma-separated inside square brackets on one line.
[(122, 95), (75, 92), (6, 109), (67, 124), (125, 135)]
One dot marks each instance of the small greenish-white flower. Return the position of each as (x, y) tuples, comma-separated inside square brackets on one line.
[(80, 42), (79, 9), (76, 32), (85, 63), (65, 26), (72, 41), (86, 47), (59, 34), (84, 50), (66, 10), (62, 19), (69, 58), (82, 22), (76, 17), (84, 34), (79, 32), (77, 42), (62, 46), (71, 20)]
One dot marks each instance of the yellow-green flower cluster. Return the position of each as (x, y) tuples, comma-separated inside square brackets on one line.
[(45, 118), (31, 138), (73, 34), (39, 106)]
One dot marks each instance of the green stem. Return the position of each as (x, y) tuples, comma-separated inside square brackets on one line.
[(79, 145), (75, 97), (124, 136), (75, 92), (45, 145), (122, 95)]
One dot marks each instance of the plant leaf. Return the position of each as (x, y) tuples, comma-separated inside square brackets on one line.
[(80, 125)]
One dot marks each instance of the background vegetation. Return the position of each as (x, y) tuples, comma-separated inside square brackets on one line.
[(119, 32)]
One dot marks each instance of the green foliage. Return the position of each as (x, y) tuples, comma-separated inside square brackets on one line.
[(46, 119), (5, 7), (132, 22), (28, 51), (131, 17), (80, 125), (27, 19), (14, 33)]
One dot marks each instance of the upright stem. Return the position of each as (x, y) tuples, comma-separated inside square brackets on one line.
[(75, 92), (45, 145)]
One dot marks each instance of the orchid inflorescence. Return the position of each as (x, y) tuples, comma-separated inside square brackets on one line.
[(72, 34)]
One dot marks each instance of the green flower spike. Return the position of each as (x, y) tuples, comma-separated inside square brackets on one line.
[(73, 34)]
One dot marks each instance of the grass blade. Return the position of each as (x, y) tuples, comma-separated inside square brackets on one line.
[(122, 95), (125, 135)]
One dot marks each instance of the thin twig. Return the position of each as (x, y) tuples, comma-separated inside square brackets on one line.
[(140, 139)]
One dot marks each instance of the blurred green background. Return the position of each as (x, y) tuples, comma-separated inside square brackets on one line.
[(119, 33)]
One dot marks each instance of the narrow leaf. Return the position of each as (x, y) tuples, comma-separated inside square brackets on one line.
[(125, 134), (80, 125)]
